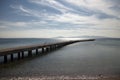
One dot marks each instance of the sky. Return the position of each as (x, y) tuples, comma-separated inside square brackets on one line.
[(55, 18)]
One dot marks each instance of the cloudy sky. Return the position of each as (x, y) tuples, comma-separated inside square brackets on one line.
[(52, 18)]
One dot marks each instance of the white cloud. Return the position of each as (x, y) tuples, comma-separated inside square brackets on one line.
[(96, 5), (110, 23), (13, 24), (3, 26), (36, 33), (74, 18), (71, 18), (21, 25), (55, 32), (24, 11), (51, 3), (101, 27)]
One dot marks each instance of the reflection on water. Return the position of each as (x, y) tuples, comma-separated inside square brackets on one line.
[(83, 58)]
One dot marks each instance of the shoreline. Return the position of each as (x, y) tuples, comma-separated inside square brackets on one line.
[(63, 77)]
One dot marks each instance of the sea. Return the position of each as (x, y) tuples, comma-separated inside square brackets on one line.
[(93, 58)]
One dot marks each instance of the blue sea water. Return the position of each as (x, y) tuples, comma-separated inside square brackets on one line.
[(101, 56)]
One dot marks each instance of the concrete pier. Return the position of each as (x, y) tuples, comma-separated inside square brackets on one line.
[(44, 48), (19, 55), (11, 57)]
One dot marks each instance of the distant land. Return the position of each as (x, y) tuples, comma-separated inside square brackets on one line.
[(83, 37)]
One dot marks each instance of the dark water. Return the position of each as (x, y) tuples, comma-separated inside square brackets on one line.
[(84, 58)]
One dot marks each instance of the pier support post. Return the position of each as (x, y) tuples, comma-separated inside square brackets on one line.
[(22, 54), (47, 49), (50, 48), (5, 58), (30, 53), (11, 57), (43, 50), (53, 47), (58, 45), (18, 55), (36, 51)]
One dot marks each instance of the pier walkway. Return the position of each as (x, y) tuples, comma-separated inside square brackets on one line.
[(20, 51)]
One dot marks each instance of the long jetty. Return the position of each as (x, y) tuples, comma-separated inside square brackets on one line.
[(20, 51)]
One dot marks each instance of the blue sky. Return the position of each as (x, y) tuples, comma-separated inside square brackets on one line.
[(52, 18)]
